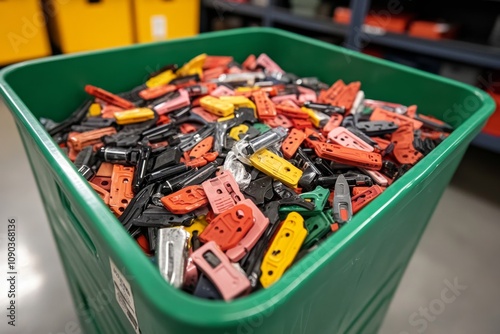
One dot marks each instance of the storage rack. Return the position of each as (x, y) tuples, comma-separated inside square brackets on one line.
[(355, 37)]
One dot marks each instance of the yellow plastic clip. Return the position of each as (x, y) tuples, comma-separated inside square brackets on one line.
[(161, 79), (276, 167), (284, 248), (227, 118), (95, 110), (194, 66), (318, 119), (217, 106), (245, 89), (237, 130), (199, 224), (133, 116), (239, 101)]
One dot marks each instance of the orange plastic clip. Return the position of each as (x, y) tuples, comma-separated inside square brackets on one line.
[(404, 152), (349, 156), (335, 121), (102, 178), (202, 148), (216, 61), (155, 92), (380, 114), (121, 188), (109, 97), (81, 140), (265, 107), (279, 120), (361, 200), (214, 73), (250, 63), (104, 194), (292, 143), (346, 97), (358, 190), (202, 161), (331, 93), (291, 112), (185, 200)]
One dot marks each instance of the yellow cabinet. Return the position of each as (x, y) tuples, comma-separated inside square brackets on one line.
[(23, 33), (157, 20), (80, 25)]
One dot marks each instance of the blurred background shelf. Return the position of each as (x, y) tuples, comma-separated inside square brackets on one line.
[(471, 55)]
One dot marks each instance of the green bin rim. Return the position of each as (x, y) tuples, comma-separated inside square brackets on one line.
[(147, 280)]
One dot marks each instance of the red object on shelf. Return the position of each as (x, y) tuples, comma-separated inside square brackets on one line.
[(492, 127), (391, 23), (432, 30)]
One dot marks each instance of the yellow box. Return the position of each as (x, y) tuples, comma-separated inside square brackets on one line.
[(23, 31), (81, 25), (157, 20)]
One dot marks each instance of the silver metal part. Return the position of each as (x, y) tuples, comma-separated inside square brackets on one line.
[(172, 254)]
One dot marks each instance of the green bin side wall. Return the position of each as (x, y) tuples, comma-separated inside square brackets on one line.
[(343, 286)]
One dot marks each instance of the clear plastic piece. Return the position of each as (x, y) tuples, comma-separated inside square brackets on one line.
[(242, 177)]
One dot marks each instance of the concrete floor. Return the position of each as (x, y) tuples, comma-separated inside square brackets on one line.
[(460, 247)]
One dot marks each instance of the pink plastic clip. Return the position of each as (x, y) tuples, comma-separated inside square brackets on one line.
[(230, 282), (280, 98), (176, 103), (250, 239), (376, 176), (346, 138), (266, 62), (223, 192), (306, 94), (222, 91), (190, 274)]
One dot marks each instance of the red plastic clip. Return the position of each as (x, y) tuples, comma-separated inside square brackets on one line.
[(185, 200), (109, 97), (250, 239), (223, 192), (228, 228)]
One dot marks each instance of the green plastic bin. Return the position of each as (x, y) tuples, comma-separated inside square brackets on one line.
[(344, 286)]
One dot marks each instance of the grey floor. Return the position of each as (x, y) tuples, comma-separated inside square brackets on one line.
[(460, 248)]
